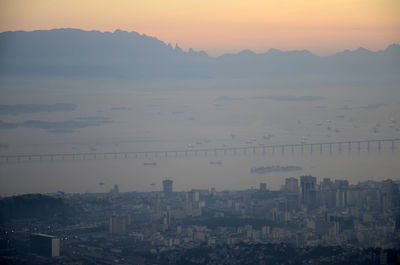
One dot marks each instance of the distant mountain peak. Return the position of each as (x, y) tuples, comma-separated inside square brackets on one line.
[(359, 52), (246, 52), (362, 50), (393, 47), (177, 48), (273, 51), (118, 31)]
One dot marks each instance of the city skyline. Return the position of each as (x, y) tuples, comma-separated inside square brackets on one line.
[(331, 221)]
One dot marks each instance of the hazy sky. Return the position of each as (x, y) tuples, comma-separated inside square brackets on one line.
[(219, 26)]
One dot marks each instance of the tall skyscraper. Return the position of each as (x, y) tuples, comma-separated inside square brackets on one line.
[(263, 186), (115, 189), (193, 204), (308, 191), (167, 187), (389, 195), (291, 188), (341, 192), (157, 204), (291, 185), (328, 193)]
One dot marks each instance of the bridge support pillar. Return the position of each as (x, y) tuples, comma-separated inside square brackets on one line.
[(393, 145), (254, 150), (340, 147), (302, 148), (349, 147), (311, 146), (292, 148), (330, 148), (273, 149), (320, 148), (359, 146), (379, 146), (368, 146), (283, 149)]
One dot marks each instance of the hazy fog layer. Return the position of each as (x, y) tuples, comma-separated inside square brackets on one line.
[(128, 115)]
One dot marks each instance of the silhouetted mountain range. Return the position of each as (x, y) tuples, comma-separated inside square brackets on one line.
[(121, 54)]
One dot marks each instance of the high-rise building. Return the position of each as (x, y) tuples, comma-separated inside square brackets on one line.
[(45, 245), (291, 188), (308, 191), (193, 204), (389, 195), (167, 187), (328, 193), (157, 204), (341, 192), (291, 185), (115, 189), (118, 225), (213, 192), (194, 195), (263, 186)]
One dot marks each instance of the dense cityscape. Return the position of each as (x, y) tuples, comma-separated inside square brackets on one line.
[(199, 132), (305, 222)]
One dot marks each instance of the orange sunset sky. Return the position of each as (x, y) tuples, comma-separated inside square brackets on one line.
[(221, 26)]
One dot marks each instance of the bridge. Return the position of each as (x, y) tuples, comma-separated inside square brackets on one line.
[(342, 146)]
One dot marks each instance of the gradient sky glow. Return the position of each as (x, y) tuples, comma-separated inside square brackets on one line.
[(220, 26)]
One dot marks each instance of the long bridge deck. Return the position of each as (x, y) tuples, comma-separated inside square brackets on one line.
[(338, 146)]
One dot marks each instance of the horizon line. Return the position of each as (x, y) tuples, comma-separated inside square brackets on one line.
[(213, 56)]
